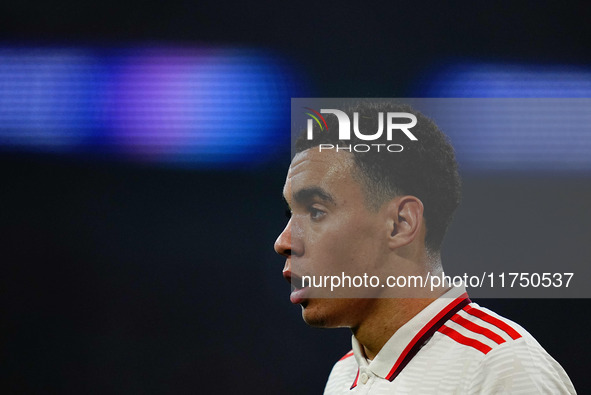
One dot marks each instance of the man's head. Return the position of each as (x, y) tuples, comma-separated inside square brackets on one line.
[(357, 213), (425, 168)]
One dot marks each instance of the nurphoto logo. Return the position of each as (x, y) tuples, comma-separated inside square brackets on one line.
[(392, 119)]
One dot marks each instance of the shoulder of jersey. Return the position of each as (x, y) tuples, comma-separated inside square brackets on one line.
[(347, 356), (346, 362), (481, 329), (345, 365)]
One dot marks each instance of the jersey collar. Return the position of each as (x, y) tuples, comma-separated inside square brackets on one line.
[(409, 338)]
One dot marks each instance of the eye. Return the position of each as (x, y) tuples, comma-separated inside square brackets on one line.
[(315, 213)]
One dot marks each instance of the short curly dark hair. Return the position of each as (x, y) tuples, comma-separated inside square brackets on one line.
[(425, 168)]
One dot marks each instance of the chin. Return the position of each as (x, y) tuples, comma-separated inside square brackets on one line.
[(318, 313)]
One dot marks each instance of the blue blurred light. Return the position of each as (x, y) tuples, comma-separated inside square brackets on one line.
[(190, 106), (513, 117), (551, 134), (505, 80)]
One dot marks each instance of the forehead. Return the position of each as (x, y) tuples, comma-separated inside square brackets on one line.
[(327, 169)]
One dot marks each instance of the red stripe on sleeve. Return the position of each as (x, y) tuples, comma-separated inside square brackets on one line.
[(347, 355), (492, 320), (455, 335), (458, 319)]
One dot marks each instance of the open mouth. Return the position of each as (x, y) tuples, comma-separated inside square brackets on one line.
[(297, 291)]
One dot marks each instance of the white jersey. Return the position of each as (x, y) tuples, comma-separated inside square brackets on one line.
[(453, 346)]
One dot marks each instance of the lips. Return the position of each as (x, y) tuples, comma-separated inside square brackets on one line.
[(298, 294)]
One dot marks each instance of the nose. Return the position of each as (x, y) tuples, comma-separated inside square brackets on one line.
[(283, 242)]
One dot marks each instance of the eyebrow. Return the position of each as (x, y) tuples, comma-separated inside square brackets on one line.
[(305, 195)]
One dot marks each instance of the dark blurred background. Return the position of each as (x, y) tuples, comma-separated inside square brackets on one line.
[(143, 149)]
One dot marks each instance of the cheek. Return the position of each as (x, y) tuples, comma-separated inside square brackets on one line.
[(348, 245), (346, 251)]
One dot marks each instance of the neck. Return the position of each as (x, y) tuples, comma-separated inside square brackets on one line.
[(387, 317), (388, 314)]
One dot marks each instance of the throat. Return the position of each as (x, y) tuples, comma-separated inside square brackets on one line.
[(375, 331)]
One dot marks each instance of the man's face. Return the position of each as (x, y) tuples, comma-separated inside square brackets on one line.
[(330, 232)]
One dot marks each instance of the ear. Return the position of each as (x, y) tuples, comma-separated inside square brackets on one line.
[(406, 221)]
